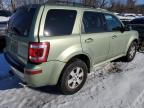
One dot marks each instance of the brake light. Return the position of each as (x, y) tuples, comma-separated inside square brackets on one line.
[(38, 51)]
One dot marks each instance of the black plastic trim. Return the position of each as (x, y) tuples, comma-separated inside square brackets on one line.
[(14, 62)]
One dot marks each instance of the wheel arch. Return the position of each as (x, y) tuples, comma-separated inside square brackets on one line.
[(129, 43), (84, 57)]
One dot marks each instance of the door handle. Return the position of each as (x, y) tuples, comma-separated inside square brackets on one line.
[(89, 40), (114, 36)]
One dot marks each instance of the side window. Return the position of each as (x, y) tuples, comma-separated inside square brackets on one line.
[(59, 22), (113, 24), (92, 22)]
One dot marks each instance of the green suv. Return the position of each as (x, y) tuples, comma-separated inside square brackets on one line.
[(59, 45)]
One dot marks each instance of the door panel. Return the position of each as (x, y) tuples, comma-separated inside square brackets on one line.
[(117, 39), (94, 40), (117, 43), (98, 48)]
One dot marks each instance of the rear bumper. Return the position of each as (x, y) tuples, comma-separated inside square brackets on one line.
[(50, 72)]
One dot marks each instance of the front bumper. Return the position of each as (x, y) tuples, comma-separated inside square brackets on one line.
[(50, 72)]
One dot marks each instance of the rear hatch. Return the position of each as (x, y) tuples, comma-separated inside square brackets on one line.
[(20, 33)]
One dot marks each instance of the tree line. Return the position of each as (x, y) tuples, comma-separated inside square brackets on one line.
[(120, 6)]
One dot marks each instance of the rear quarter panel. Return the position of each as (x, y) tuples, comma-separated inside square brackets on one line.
[(62, 48)]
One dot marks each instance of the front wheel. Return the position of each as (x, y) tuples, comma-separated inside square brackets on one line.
[(131, 52), (73, 77)]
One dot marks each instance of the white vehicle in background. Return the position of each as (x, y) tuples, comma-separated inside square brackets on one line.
[(127, 17), (4, 15)]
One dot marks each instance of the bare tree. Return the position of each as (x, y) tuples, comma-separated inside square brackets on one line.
[(102, 3), (1, 4), (52, 1), (13, 5), (131, 3), (112, 4), (96, 3)]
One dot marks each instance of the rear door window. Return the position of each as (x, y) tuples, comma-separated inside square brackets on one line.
[(21, 21), (59, 22), (92, 22)]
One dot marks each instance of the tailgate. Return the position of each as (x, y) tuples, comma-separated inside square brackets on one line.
[(21, 32), (17, 47)]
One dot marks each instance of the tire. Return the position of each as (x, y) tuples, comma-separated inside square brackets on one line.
[(74, 76), (131, 52)]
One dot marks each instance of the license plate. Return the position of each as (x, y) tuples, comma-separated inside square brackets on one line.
[(14, 46)]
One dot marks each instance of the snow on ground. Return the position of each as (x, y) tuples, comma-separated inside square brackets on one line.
[(114, 85)]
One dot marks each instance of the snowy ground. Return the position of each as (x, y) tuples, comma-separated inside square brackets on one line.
[(115, 85)]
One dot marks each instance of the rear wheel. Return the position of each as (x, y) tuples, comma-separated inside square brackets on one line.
[(131, 52), (73, 77)]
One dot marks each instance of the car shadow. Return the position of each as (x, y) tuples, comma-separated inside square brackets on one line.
[(9, 82), (12, 82), (49, 89)]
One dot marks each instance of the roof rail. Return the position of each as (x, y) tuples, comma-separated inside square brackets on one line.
[(69, 3), (102, 9)]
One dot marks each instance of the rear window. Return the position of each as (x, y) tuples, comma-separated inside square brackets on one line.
[(59, 22), (92, 22), (21, 21)]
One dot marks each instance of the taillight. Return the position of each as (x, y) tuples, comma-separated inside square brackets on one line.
[(38, 51)]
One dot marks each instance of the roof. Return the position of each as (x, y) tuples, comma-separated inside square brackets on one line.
[(76, 7), (68, 6)]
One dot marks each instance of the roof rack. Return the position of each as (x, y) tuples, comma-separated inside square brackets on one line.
[(69, 3)]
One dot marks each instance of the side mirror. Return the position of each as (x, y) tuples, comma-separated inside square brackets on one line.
[(122, 29), (128, 28), (125, 28)]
